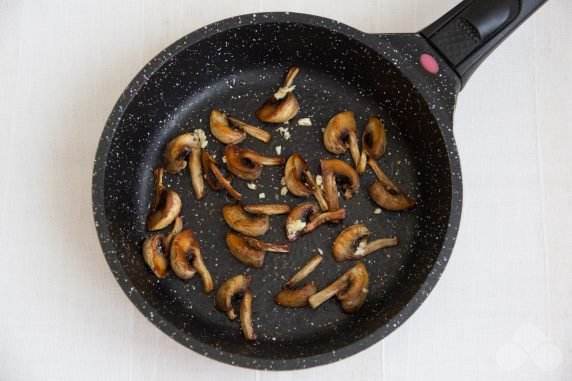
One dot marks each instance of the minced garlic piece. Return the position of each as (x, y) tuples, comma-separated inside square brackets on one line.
[(304, 122), (251, 185), (202, 137)]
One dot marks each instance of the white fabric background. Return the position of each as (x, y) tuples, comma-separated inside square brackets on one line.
[(502, 310)]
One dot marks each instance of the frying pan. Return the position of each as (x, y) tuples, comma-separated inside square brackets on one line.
[(410, 81)]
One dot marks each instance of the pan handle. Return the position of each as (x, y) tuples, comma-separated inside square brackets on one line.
[(468, 33)]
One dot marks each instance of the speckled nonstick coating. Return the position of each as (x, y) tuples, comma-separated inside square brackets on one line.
[(234, 65)]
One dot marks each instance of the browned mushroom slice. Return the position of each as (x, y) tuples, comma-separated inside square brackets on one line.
[(195, 168), (340, 134), (232, 287), (294, 298), (300, 181), (222, 131), (336, 171), (373, 142), (156, 250), (336, 216), (386, 193), (255, 132), (246, 316), (251, 251), (283, 105), (215, 178), (177, 152), (298, 218), (267, 209), (246, 163), (186, 259), (249, 224), (166, 204), (352, 243), (351, 289)]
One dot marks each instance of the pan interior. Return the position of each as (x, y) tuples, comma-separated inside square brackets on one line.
[(235, 71)]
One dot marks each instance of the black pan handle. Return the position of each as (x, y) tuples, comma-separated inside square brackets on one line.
[(468, 33)]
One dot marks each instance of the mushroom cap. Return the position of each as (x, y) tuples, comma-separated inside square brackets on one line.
[(353, 297), (338, 130), (390, 198), (243, 162), (334, 171), (296, 298), (177, 151), (252, 225), (348, 241), (298, 218), (374, 139), (231, 287), (222, 131), (242, 249), (278, 110), (294, 176), (184, 252), (154, 255)]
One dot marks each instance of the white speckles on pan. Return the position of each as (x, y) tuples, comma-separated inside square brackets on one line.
[(235, 65)]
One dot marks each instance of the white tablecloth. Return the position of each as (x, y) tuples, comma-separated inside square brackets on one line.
[(502, 310)]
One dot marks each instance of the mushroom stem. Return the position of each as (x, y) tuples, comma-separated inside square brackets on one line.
[(339, 214), (317, 191), (378, 244), (362, 163), (224, 182), (266, 246), (354, 149), (380, 174), (176, 229), (267, 209), (332, 290), (246, 316), (290, 76), (271, 160), (301, 274), (196, 170), (255, 132)]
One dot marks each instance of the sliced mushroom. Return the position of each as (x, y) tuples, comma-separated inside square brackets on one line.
[(267, 209), (255, 132), (251, 251), (215, 178), (334, 171), (249, 224), (222, 131), (283, 105), (166, 204), (373, 142), (177, 152), (156, 250), (386, 193), (246, 163), (336, 216), (300, 181), (195, 168), (298, 218), (232, 287), (341, 133), (186, 259), (352, 243), (294, 298), (246, 316), (351, 289)]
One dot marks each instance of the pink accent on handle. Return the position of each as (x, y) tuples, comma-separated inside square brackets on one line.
[(429, 63)]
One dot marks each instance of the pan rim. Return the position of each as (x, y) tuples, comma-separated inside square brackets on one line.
[(110, 252)]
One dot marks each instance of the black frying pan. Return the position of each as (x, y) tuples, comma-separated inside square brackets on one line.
[(410, 80)]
